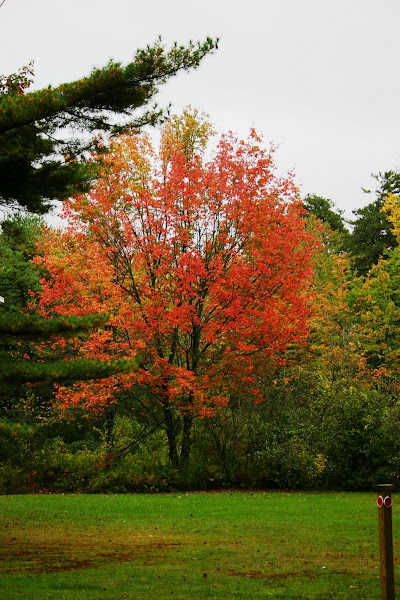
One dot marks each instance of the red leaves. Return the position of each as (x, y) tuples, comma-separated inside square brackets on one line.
[(205, 266)]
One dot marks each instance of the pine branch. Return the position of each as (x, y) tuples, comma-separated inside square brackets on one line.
[(25, 370)]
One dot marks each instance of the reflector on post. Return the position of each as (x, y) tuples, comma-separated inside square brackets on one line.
[(386, 540), (387, 502)]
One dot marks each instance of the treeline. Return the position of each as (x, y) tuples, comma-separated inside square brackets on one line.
[(195, 324), (324, 414)]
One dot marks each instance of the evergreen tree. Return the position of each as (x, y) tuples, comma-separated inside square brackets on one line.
[(45, 140), (29, 344), (336, 235), (19, 276), (43, 152), (325, 210), (372, 236)]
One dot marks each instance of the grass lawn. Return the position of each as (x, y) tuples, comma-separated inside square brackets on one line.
[(191, 546)]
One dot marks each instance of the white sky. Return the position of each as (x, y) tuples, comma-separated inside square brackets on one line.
[(318, 77)]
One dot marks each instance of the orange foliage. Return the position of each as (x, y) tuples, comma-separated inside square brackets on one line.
[(203, 264)]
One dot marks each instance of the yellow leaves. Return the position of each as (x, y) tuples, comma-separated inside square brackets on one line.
[(392, 210), (318, 466), (188, 133)]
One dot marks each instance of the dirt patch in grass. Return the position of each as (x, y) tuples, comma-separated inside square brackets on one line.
[(261, 575), (30, 561), (248, 574), (50, 551)]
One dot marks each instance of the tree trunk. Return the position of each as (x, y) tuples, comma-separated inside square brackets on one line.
[(171, 436), (186, 440), (110, 414)]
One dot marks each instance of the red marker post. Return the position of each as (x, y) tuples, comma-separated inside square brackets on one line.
[(384, 502)]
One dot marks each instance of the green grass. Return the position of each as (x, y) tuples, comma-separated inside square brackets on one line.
[(190, 546)]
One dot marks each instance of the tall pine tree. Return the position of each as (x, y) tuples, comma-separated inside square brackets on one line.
[(45, 136), (45, 140)]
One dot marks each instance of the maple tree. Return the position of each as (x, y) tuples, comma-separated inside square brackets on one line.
[(335, 334), (391, 208), (202, 259)]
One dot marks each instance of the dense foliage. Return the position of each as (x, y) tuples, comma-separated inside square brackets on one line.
[(204, 263), (261, 357)]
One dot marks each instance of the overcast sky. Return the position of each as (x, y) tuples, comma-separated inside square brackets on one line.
[(318, 77)]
